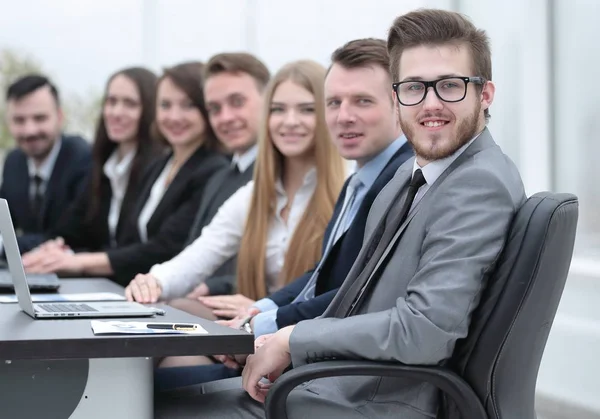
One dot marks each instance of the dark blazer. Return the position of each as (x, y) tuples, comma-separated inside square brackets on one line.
[(218, 190), (340, 258), (169, 226), (82, 232), (63, 188)]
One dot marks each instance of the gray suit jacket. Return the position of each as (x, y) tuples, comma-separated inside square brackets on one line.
[(427, 281)]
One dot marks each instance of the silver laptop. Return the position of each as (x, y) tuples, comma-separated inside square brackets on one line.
[(54, 310)]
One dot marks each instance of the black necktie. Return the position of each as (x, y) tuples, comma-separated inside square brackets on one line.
[(381, 239), (37, 198), (416, 182)]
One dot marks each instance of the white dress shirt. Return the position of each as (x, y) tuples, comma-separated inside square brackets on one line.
[(433, 170), (156, 193), (220, 240), (44, 170), (117, 173), (245, 160)]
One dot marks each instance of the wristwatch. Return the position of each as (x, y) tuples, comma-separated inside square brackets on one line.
[(246, 325)]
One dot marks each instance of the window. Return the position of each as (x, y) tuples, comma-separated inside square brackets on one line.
[(576, 112)]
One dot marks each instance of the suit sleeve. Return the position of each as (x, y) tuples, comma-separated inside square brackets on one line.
[(465, 235), (288, 293), (304, 310)]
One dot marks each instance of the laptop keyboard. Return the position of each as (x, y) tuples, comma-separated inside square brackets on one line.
[(65, 308)]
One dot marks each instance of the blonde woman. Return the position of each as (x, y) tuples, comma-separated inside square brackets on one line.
[(276, 222)]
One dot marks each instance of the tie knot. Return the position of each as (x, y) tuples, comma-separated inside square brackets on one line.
[(418, 179), (37, 180), (355, 182)]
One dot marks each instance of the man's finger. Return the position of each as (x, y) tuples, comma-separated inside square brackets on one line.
[(128, 294)]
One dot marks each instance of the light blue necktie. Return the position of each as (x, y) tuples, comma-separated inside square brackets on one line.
[(342, 223)]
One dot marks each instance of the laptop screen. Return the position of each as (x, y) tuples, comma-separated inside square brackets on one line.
[(13, 257)]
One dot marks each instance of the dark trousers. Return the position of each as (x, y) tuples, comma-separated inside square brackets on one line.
[(171, 378)]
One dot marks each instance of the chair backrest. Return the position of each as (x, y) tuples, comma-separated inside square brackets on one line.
[(500, 357)]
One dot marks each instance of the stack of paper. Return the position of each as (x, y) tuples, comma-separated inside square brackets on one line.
[(107, 327)]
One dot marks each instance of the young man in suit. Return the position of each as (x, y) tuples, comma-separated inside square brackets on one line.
[(233, 92), (45, 173), (362, 122), (432, 237)]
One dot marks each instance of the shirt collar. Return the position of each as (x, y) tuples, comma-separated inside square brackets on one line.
[(432, 171), (45, 169), (244, 161), (371, 170), (310, 179), (115, 168)]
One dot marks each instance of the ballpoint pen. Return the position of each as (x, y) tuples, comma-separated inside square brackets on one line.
[(172, 326)]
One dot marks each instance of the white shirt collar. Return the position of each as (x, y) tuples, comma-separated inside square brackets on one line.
[(113, 168), (310, 179), (245, 160), (432, 171), (45, 169)]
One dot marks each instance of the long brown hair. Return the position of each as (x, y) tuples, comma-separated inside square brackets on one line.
[(305, 246), (147, 145)]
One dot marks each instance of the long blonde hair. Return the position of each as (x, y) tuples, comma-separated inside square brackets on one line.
[(304, 249)]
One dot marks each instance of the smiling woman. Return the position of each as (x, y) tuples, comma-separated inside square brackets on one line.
[(170, 188), (276, 222)]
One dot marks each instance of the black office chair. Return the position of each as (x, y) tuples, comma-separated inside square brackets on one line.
[(493, 372)]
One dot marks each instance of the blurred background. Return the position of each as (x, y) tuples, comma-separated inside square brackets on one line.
[(545, 63)]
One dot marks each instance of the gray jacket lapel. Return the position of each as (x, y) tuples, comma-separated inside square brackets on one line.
[(359, 279)]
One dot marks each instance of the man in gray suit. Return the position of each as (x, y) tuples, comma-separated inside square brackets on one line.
[(432, 237)]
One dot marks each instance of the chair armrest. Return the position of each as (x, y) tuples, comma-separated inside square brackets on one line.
[(468, 404)]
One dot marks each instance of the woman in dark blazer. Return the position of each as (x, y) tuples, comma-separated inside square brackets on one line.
[(123, 148), (170, 192)]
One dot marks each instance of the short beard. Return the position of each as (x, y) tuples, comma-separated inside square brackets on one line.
[(465, 131)]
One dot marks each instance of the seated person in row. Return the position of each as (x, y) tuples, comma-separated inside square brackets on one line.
[(46, 173), (270, 221), (233, 91), (432, 237), (123, 148), (170, 193), (357, 103)]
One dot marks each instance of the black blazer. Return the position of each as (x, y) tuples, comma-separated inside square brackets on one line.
[(82, 232), (340, 258), (63, 188), (170, 223), (218, 190)]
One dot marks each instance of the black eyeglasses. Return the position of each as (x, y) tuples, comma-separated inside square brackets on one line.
[(449, 89)]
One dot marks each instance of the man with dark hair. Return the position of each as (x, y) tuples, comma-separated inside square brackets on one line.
[(44, 175), (432, 237)]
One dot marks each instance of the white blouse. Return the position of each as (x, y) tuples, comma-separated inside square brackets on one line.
[(117, 173), (158, 190), (220, 240)]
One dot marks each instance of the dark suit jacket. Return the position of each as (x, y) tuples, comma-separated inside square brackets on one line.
[(340, 258), (81, 232), (62, 190), (170, 223), (218, 190)]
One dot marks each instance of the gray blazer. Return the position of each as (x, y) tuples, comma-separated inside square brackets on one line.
[(427, 278)]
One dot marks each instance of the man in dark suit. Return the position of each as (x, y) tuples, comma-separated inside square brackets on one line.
[(432, 237), (361, 119), (233, 92), (43, 176)]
